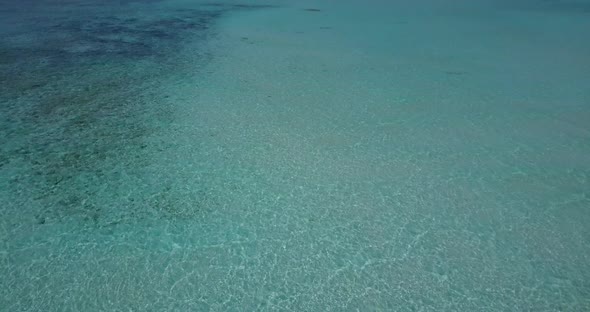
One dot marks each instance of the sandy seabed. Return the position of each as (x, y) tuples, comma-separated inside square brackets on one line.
[(307, 156)]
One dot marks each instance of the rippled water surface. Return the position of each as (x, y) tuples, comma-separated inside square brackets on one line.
[(182, 155)]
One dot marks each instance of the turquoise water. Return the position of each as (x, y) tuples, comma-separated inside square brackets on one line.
[(353, 155)]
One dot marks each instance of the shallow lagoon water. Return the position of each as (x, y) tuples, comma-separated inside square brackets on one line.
[(309, 156)]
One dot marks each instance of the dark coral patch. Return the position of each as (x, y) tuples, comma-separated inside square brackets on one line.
[(74, 108)]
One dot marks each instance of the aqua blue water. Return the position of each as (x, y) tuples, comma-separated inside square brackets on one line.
[(178, 155)]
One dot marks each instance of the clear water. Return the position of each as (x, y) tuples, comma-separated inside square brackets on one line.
[(289, 155)]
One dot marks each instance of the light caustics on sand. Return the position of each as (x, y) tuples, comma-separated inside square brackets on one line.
[(309, 156)]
